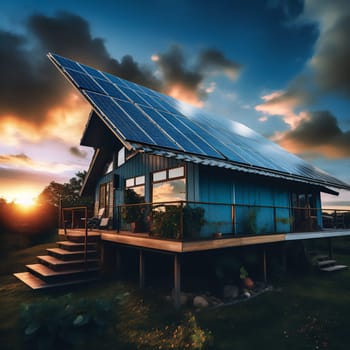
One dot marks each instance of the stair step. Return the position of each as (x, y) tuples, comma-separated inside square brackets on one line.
[(48, 275), (36, 283), (324, 263), (58, 264), (71, 255), (333, 268), (76, 246), (45, 271), (321, 257), (79, 238)]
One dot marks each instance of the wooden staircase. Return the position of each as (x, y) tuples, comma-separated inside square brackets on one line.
[(326, 264), (64, 265)]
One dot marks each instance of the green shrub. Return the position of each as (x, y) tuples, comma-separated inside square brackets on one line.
[(63, 321)]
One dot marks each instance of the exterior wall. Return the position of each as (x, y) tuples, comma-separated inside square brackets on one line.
[(232, 202), (259, 205), (141, 164)]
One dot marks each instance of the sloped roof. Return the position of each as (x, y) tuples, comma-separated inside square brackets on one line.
[(146, 120)]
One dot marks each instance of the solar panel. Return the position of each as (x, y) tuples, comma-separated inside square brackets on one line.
[(140, 115)]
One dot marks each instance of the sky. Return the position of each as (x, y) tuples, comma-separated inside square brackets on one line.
[(281, 67)]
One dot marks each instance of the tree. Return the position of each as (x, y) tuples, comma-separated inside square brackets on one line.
[(67, 194)]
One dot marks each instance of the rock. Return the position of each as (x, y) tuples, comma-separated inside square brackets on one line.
[(199, 301), (230, 292), (184, 297), (246, 294)]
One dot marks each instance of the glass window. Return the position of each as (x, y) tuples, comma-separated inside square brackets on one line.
[(168, 191), (176, 172), (121, 156), (109, 167), (130, 182), (159, 175), (140, 180), (104, 197)]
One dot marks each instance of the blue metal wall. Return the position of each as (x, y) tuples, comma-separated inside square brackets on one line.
[(235, 194)]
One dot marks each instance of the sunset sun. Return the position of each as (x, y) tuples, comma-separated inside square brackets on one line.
[(25, 200)]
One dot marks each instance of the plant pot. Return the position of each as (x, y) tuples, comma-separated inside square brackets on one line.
[(248, 283)]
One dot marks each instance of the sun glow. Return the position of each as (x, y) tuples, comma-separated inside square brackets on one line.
[(25, 200)]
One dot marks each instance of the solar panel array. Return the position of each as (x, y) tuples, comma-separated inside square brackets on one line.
[(140, 115)]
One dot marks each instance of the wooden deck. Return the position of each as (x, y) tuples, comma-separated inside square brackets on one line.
[(143, 240)]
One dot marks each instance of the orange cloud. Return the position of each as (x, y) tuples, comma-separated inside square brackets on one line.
[(182, 93), (22, 161), (282, 103), (317, 134)]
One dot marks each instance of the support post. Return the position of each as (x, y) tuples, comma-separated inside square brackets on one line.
[(284, 256), (118, 262), (264, 264), (330, 248), (141, 269), (177, 280)]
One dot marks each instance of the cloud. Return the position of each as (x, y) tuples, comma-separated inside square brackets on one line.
[(317, 134), (31, 93), (185, 82), (214, 61), (35, 104), (331, 58), (326, 72), (282, 103), (77, 152), (21, 162)]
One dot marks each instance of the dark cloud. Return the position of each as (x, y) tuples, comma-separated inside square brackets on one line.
[(30, 86), (70, 35), (174, 70), (319, 133), (212, 59), (331, 62), (77, 152), (29, 83), (177, 72)]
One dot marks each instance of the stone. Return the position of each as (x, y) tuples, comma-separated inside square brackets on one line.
[(199, 301), (246, 294), (230, 292)]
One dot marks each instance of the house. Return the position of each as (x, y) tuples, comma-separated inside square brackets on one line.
[(173, 178)]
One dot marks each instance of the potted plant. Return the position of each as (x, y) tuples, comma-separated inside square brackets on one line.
[(133, 214), (246, 280), (166, 221)]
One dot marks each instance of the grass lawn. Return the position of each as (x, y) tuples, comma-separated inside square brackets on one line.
[(308, 310)]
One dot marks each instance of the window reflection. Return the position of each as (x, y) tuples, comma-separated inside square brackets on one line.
[(173, 190)]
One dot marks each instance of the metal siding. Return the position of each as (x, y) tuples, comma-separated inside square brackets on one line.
[(218, 186), (141, 164)]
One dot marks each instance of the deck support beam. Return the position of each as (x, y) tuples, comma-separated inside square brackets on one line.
[(330, 248), (264, 264), (177, 280), (118, 262), (141, 269)]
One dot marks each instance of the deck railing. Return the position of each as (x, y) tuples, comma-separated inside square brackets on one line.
[(185, 220), (76, 217)]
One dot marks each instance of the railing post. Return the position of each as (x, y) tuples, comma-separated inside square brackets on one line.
[(181, 220), (118, 218), (274, 220), (86, 238)]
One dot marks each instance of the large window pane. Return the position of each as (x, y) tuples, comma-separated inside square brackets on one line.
[(168, 191)]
